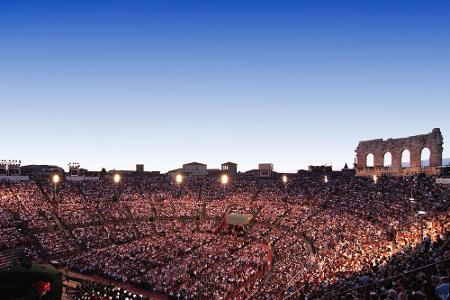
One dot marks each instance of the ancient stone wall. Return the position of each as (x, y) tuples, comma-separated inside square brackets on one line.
[(415, 144)]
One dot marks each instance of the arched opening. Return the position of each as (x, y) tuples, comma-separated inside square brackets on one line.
[(369, 160), (406, 159), (387, 160), (425, 157)]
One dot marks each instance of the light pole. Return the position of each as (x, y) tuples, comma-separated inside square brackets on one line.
[(179, 180), (411, 198), (55, 180), (116, 178), (412, 202), (284, 179), (224, 179), (421, 214)]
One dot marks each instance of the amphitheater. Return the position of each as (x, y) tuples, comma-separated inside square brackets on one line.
[(308, 235)]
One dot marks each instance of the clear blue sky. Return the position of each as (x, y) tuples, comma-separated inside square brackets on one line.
[(114, 83)]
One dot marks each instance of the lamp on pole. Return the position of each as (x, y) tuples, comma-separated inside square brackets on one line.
[(421, 214), (412, 201), (55, 180), (284, 179), (224, 179), (116, 178), (179, 180)]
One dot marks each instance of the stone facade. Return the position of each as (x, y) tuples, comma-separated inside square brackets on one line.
[(415, 144), (230, 168), (195, 169)]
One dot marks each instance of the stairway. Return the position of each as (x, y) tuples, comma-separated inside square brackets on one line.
[(130, 216), (255, 196)]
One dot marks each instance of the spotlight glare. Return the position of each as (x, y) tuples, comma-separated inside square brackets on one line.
[(179, 178), (224, 179), (56, 178), (117, 178)]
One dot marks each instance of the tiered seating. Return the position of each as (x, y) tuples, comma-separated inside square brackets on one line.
[(323, 236)]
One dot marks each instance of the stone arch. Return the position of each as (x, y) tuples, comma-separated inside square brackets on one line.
[(425, 156), (414, 146), (370, 159), (405, 158), (387, 159)]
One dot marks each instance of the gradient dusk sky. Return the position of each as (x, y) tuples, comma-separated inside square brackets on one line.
[(115, 83)]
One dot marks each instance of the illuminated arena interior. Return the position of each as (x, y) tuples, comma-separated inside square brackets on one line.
[(308, 235)]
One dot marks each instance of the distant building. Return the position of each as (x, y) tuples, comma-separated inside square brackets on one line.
[(41, 170), (10, 171), (84, 172), (347, 170), (87, 173), (3, 167), (173, 172), (252, 172), (195, 169), (140, 168), (14, 168), (134, 172), (213, 172), (320, 169), (265, 170), (230, 168), (10, 167), (74, 169)]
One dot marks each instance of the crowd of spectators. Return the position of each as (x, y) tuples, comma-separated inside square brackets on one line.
[(308, 238), (88, 290)]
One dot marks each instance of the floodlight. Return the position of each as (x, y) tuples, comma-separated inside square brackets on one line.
[(56, 178), (117, 178), (179, 178), (224, 179)]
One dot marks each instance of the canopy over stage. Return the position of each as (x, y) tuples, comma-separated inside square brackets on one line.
[(235, 220), (238, 219)]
